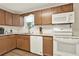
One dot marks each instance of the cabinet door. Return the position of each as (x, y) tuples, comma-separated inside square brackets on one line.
[(8, 18), (18, 20), (19, 43), (26, 43), (48, 46), (67, 8), (62, 9), (12, 42), (36, 44), (6, 44), (2, 17), (47, 16), (56, 10), (38, 18), (2, 46)]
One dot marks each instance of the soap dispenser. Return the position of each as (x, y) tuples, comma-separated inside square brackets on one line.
[(40, 30)]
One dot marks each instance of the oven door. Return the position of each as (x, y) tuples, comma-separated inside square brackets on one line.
[(64, 46)]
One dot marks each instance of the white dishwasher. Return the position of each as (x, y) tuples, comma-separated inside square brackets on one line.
[(36, 44)]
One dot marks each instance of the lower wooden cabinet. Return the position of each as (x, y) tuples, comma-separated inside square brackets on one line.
[(11, 42), (41, 45), (2, 45), (48, 46), (7, 43), (23, 42)]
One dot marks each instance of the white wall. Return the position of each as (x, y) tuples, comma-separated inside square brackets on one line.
[(75, 27)]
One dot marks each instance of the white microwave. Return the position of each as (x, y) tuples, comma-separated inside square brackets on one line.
[(63, 18)]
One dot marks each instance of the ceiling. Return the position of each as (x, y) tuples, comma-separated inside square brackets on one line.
[(20, 8)]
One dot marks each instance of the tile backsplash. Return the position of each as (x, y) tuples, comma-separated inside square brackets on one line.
[(50, 29), (15, 29), (47, 29)]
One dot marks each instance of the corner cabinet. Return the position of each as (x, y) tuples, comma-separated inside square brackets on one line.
[(36, 44), (7, 43), (18, 20), (23, 42)]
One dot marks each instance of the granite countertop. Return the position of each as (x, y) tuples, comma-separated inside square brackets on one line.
[(36, 34), (59, 36), (26, 34)]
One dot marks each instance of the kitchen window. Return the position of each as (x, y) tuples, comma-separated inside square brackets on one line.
[(29, 21)]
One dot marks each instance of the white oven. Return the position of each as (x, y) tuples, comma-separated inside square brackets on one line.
[(63, 18), (65, 46)]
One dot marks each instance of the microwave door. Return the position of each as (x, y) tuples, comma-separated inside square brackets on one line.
[(59, 19), (63, 18)]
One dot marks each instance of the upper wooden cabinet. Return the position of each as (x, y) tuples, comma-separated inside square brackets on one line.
[(8, 18), (62, 8), (43, 17), (47, 16), (17, 20), (2, 17), (67, 8), (56, 10), (38, 17)]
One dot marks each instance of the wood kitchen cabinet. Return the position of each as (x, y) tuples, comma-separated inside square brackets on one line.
[(47, 16), (18, 20), (8, 18), (2, 17), (2, 45), (38, 17), (56, 10), (67, 8), (62, 8), (47, 46), (11, 42), (43, 17), (7, 43), (24, 43)]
